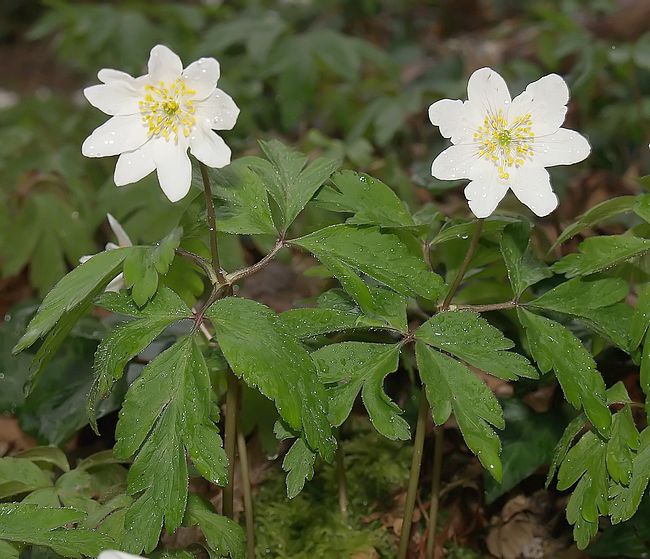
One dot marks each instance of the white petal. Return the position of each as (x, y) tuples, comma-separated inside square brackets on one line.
[(456, 162), (116, 284), (546, 101), (173, 167), (483, 195), (134, 165), (85, 258), (532, 185), (117, 555), (209, 148), (564, 147), (218, 111), (110, 76), (202, 76), (487, 92), (116, 135), (123, 239), (164, 64), (117, 98), (449, 116)]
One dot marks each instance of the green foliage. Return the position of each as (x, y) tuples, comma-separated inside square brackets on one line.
[(299, 464)]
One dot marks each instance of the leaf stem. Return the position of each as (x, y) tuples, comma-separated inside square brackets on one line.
[(230, 440), (212, 222), (200, 262), (484, 308), (414, 477), (435, 489), (342, 479), (464, 266), (248, 496), (245, 272)]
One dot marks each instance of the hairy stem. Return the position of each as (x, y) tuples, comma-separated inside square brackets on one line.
[(201, 263), (484, 308), (212, 222), (464, 266), (342, 478), (245, 272), (414, 477), (435, 489), (230, 440), (248, 496)]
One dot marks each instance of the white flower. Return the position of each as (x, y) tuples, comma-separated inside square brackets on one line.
[(118, 555), (501, 144), (123, 240), (158, 116)]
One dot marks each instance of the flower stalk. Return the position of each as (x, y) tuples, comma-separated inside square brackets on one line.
[(248, 496), (212, 223), (230, 441)]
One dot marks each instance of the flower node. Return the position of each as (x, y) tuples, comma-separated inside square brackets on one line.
[(168, 109)]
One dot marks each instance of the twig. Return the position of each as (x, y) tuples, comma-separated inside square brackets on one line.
[(248, 497)]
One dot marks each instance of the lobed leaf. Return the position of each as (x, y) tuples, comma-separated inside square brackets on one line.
[(299, 465)]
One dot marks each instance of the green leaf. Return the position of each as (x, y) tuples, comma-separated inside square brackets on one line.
[(241, 202), (599, 253), (358, 249), (554, 347), (624, 438), (166, 412), (289, 179), (455, 231), (473, 339), (641, 318), (369, 199), (223, 536), (580, 294), (528, 442), (570, 433), (126, 341), (644, 377), (353, 367), (266, 356), (625, 500), (75, 290), (145, 263), (600, 212), (20, 475), (44, 526), (524, 269), (8, 551), (299, 465), (450, 386), (46, 455)]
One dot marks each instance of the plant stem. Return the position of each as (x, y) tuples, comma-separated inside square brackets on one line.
[(201, 263), (245, 272), (342, 479), (248, 496), (414, 478), (484, 308), (230, 440), (212, 222), (435, 489), (464, 266)]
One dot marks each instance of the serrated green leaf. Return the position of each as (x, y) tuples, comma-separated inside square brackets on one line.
[(369, 199), (126, 341), (20, 475), (46, 455), (455, 231), (523, 268), (263, 353), (299, 465), (223, 536), (600, 212), (598, 253), (77, 289), (554, 347), (473, 339), (623, 438), (289, 179), (8, 551), (353, 367), (358, 248), (241, 203), (450, 386), (166, 411), (562, 447), (625, 500), (44, 526), (640, 318), (644, 375)]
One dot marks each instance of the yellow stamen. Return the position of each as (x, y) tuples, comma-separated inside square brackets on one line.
[(167, 109)]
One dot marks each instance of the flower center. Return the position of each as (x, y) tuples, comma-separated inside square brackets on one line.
[(505, 143), (168, 109)]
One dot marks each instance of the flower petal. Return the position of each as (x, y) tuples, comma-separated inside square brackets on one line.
[(117, 98), (123, 239), (209, 148), (173, 167), (532, 185), (545, 100), (133, 166), (116, 284), (218, 111), (487, 92), (164, 64), (456, 162), (564, 147), (451, 117), (117, 555), (202, 76), (109, 76), (484, 194), (116, 135)]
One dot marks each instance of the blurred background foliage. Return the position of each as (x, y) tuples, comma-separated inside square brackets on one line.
[(351, 78)]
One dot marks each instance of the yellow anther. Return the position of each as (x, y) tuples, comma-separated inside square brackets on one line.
[(166, 108)]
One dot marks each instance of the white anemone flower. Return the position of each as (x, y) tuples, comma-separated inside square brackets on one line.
[(117, 555), (123, 240), (157, 117), (501, 143)]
